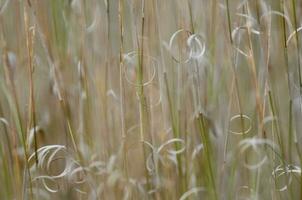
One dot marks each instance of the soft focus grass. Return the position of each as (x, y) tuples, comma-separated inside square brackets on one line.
[(141, 99)]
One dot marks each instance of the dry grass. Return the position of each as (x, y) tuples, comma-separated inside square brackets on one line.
[(150, 99)]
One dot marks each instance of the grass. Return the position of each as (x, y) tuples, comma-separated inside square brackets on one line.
[(136, 99)]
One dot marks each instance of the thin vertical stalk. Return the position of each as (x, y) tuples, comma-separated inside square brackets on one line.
[(284, 44), (17, 115), (140, 91), (122, 103), (234, 56), (174, 130), (298, 45), (30, 35), (208, 151)]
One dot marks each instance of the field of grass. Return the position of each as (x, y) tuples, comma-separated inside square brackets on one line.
[(150, 99)]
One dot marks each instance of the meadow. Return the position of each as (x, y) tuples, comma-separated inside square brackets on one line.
[(150, 99)]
